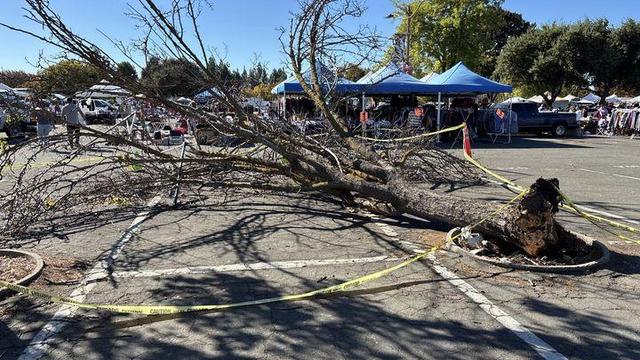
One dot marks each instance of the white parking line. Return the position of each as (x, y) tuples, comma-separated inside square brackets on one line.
[(251, 266), (40, 344), (616, 175), (540, 346), (610, 215)]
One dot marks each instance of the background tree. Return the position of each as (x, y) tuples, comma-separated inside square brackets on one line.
[(262, 91), (444, 32), (352, 72), (509, 25), (172, 77), (607, 57), (16, 78), (541, 60), (127, 70), (277, 76), (67, 77), (628, 38)]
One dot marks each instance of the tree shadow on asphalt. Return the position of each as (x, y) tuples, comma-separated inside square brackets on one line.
[(299, 217), (360, 325), (65, 225)]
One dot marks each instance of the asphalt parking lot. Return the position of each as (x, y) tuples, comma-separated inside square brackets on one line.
[(240, 248)]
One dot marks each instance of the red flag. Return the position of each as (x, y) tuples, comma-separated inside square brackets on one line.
[(466, 141)]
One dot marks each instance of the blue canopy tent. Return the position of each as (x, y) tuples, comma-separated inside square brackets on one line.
[(391, 80), (329, 81), (460, 80), (292, 86)]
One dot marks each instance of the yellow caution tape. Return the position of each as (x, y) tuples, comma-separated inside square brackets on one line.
[(570, 206), (174, 309), (411, 138)]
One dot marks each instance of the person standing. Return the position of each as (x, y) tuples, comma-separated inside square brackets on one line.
[(73, 118), (45, 122)]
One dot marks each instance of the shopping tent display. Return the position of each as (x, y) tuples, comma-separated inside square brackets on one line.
[(391, 80), (329, 81), (460, 80)]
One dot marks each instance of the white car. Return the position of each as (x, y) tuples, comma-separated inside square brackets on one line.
[(97, 109)]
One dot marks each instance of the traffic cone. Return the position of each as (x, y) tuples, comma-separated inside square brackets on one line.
[(466, 143)]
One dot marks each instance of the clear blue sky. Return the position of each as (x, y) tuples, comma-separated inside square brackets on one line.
[(242, 28)]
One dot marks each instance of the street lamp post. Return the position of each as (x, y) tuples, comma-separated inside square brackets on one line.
[(405, 11)]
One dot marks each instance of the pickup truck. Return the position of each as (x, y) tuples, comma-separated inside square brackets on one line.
[(531, 120)]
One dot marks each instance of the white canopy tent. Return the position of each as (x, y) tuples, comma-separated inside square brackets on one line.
[(569, 98), (104, 90), (584, 102), (5, 89), (634, 100), (613, 99), (514, 100), (592, 98), (536, 99)]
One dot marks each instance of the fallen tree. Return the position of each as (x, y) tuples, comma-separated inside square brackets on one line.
[(282, 157)]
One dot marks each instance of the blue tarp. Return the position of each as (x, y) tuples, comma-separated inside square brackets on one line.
[(391, 80), (329, 81), (460, 80)]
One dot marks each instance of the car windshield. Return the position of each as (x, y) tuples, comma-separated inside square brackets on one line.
[(101, 103)]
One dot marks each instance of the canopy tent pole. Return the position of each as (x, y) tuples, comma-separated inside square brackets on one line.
[(438, 120), (510, 111), (364, 123)]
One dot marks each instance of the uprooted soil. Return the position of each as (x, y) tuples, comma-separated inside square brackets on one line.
[(570, 251)]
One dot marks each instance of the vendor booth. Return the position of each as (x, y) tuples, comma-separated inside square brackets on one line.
[(459, 80)]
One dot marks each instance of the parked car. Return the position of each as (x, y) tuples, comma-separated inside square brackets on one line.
[(96, 109), (530, 119)]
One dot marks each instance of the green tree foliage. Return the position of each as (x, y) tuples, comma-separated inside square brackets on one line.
[(352, 72), (606, 57), (510, 25), (590, 55), (67, 77), (277, 76), (444, 32), (172, 77), (126, 69), (628, 37), (16, 78), (541, 60)]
